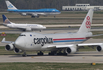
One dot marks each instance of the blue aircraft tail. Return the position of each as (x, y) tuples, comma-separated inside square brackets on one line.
[(5, 20)]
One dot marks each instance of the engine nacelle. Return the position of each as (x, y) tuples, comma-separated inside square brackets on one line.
[(35, 15), (16, 50), (28, 29), (9, 47), (100, 48), (71, 49), (23, 14)]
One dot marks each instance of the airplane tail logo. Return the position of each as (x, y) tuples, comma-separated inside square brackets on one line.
[(5, 20), (10, 5), (86, 24)]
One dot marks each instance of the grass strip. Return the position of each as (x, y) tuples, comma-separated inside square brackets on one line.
[(50, 66)]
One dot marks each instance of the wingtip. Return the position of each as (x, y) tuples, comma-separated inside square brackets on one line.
[(3, 39)]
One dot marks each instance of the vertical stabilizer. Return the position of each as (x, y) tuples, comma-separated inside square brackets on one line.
[(10, 5), (5, 20), (86, 24)]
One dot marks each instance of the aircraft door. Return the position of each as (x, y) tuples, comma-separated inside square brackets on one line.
[(29, 41)]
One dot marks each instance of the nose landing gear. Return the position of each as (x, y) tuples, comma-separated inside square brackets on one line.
[(24, 55)]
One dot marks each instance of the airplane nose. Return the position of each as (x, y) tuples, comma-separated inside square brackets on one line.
[(19, 43)]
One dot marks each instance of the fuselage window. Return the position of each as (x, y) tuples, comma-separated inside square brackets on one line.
[(22, 35)]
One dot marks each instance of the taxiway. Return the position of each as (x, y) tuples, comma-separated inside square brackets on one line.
[(50, 30), (79, 57)]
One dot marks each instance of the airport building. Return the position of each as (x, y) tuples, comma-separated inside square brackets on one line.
[(81, 7)]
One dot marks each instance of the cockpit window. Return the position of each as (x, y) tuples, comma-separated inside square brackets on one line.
[(22, 35)]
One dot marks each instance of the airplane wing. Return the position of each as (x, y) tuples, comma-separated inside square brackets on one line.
[(3, 41), (96, 35), (91, 44), (59, 46), (72, 48), (72, 45)]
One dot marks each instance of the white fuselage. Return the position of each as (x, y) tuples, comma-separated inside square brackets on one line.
[(26, 26), (34, 41)]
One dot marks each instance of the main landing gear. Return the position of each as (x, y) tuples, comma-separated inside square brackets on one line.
[(40, 53), (51, 53), (59, 53), (34, 16)]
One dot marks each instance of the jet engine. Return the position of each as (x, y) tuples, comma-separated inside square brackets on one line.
[(35, 15), (100, 48), (9, 47), (71, 49), (16, 50), (23, 14), (28, 29)]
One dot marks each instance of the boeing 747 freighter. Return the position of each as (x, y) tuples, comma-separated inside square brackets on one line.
[(60, 43), (33, 12)]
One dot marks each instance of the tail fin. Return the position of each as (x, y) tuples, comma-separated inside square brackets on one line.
[(86, 24), (10, 5), (5, 20)]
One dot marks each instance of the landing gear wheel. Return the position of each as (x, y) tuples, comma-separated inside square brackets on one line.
[(24, 55), (24, 29), (32, 16), (65, 54), (40, 53), (37, 16), (52, 53), (60, 53)]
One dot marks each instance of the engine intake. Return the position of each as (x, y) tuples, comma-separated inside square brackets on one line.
[(71, 49), (16, 50), (99, 48), (9, 47)]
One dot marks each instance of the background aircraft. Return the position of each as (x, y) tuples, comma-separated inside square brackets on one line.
[(23, 27), (33, 13), (64, 43)]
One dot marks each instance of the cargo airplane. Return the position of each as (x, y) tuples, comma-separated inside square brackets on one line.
[(23, 27), (60, 43), (33, 12)]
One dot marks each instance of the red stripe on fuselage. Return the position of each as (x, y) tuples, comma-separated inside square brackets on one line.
[(70, 39)]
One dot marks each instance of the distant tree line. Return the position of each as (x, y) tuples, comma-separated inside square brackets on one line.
[(38, 4)]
